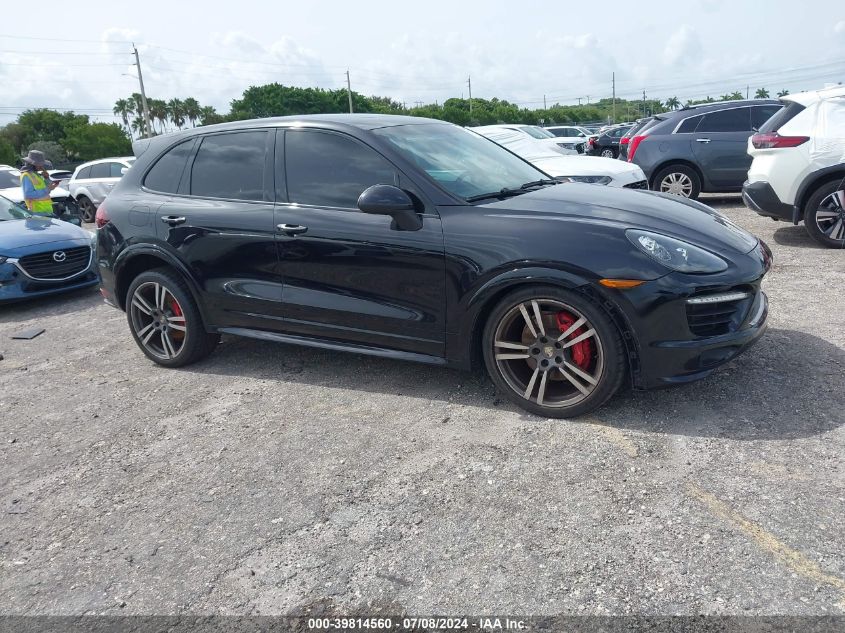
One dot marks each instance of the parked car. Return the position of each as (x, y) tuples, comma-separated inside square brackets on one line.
[(92, 182), (10, 188), (587, 169), (42, 256), (700, 148), (606, 144), (534, 132), (416, 239), (798, 167), (626, 137), (61, 176), (570, 136)]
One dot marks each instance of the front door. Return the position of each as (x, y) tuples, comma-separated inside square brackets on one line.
[(347, 274), (220, 223)]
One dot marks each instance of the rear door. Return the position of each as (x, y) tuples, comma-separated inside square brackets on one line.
[(103, 178), (220, 224), (348, 274), (719, 146)]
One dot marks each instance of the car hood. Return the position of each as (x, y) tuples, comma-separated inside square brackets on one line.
[(683, 219), (583, 166), (20, 234), (15, 194)]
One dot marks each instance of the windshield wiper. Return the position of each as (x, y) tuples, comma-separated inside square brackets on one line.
[(504, 192), (539, 183)]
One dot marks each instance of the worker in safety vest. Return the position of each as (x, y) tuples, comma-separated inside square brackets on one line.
[(36, 184)]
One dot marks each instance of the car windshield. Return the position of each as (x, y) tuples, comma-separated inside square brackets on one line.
[(10, 211), (462, 162), (536, 132), (10, 178)]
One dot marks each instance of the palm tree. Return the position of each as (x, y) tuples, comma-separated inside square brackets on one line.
[(672, 103), (207, 115), (736, 95), (761, 93), (783, 93), (176, 111), (192, 110), (725, 97), (123, 108), (158, 112)]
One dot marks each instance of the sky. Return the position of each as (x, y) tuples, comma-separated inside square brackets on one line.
[(81, 59)]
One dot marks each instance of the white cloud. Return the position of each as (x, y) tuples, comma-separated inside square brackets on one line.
[(839, 28), (683, 47)]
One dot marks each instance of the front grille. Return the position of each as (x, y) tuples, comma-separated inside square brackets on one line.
[(719, 317), (640, 184), (45, 266)]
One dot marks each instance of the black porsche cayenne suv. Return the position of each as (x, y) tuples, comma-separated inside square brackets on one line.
[(420, 240)]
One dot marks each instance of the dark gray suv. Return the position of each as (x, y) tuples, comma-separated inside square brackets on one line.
[(701, 148)]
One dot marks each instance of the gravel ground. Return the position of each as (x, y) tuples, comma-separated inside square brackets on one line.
[(270, 479)]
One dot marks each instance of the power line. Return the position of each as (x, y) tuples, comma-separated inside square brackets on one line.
[(59, 39)]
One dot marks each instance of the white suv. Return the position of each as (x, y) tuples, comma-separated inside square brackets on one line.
[(92, 182), (798, 167)]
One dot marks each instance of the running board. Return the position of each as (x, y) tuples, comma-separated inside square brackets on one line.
[(333, 345)]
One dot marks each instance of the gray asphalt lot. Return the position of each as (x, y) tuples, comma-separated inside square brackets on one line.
[(273, 479)]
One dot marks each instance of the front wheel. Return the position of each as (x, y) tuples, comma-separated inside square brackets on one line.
[(165, 320), (553, 352), (824, 215), (608, 152), (86, 209), (679, 180)]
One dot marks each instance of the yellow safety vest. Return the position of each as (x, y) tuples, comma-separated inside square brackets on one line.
[(38, 205)]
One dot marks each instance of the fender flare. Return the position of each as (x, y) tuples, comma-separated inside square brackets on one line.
[(808, 184), (157, 251)]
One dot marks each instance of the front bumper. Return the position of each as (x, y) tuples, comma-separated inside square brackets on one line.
[(762, 199), (16, 285)]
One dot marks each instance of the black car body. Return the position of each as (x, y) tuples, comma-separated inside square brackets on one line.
[(607, 143), (700, 148), (256, 223)]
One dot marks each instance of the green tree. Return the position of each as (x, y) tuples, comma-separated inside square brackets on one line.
[(191, 109), (783, 93), (159, 113), (672, 103), (124, 109), (761, 93), (98, 140), (8, 155), (53, 151), (176, 112)]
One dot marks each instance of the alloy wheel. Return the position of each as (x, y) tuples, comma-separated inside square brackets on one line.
[(676, 183), (607, 153), (548, 352), (830, 216), (87, 209), (158, 320)]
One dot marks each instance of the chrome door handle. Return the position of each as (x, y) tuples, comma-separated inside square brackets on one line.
[(291, 229), (173, 220), (702, 140)]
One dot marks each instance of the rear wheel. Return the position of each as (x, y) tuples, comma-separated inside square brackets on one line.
[(165, 320), (86, 209), (679, 180), (824, 215), (608, 152), (553, 352)]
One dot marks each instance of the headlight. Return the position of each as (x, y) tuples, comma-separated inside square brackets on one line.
[(593, 180), (675, 254)]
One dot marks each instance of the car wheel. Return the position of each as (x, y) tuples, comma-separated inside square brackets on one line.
[(86, 209), (679, 180), (580, 148), (553, 352), (165, 320), (608, 153), (824, 215)]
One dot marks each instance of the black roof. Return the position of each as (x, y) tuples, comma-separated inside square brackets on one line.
[(733, 103)]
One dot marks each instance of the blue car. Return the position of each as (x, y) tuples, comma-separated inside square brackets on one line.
[(42, 256)]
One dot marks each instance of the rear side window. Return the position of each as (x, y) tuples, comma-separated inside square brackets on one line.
[(689, 125), (167, 172), (787, 113), (100, 170), (230, 166), (731, 120), (85, 172), (330, 170)]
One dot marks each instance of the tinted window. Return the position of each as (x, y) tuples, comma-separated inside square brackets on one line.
[(787, 113), (100, 170), (167, 172), (761, 114), (230, 166), (114, 169), (85, 172), (689, 125), (560, 132), (732, 120), (331, 170)]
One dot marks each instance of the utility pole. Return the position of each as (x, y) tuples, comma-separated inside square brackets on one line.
[(349, 90), (148, 124), (544, 102), (747, 89), (643, 102), (614, 96), (579, 100), (588, 99), (469, 87)]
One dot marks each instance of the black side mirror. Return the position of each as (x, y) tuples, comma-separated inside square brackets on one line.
[(392, 201)]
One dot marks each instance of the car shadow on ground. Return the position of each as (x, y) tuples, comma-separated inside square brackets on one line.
[(52, 305), (785, 387), (792, 235)]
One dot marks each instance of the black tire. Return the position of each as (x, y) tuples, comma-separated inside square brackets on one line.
[(824, 214), (177, 336), (662, 179), (87, 210), (605, 364), (609, 152)]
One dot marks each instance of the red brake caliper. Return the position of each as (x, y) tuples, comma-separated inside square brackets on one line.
[(582, 352), (177, 309)]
